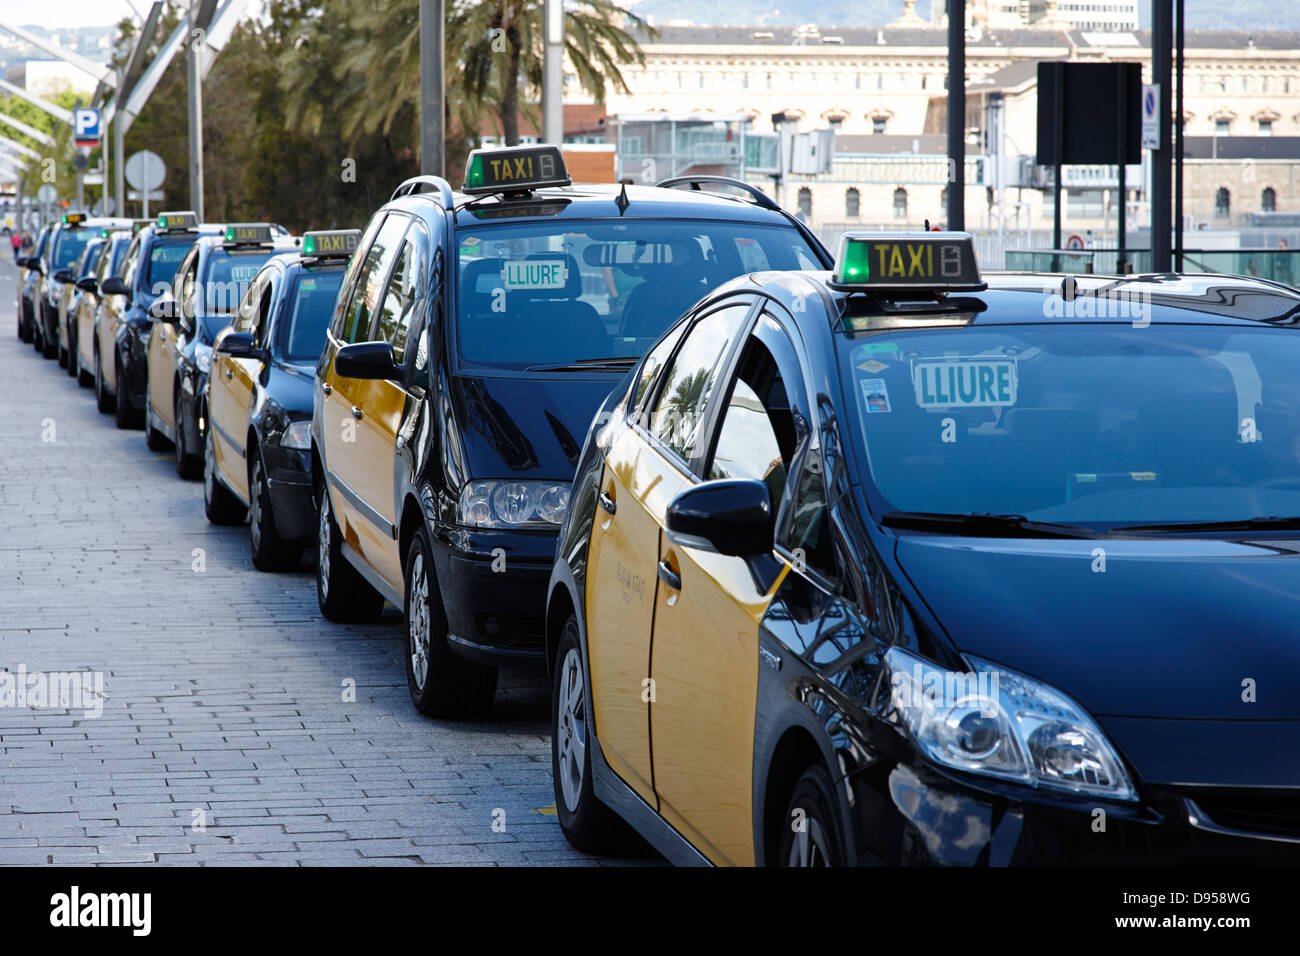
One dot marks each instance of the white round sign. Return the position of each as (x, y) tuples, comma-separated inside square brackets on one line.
[(145, 171), (47, 194)]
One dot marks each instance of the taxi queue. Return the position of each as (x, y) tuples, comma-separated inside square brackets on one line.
[(749, 503)]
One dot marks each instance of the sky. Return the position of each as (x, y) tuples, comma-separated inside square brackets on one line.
[(67, 13)]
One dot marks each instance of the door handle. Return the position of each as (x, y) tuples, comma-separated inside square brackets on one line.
[(356, 412), (229, 374), (607, 502), (669, 577), (325, 387)]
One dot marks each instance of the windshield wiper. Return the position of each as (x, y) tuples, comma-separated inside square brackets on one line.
[(1270, 523), (982, 524), (582, 365)]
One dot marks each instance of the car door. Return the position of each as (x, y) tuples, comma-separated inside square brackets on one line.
[(162, 359), (704, 659), (645, 468), (384, 404), (231, 385), (347, 468), (110, 313)]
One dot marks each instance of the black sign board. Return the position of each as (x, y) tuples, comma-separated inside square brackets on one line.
[(1089, 113)]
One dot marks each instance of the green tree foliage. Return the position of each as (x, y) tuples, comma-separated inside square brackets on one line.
[(54, 166)]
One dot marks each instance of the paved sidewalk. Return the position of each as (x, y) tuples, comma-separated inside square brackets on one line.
[(224, 736)]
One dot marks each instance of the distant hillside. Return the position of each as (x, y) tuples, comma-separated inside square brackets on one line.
[(1201, 14)]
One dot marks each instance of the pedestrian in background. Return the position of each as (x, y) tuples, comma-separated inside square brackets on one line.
[(16, 240)]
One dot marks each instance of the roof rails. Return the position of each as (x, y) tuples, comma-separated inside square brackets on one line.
[(417, 185), (760, 198)]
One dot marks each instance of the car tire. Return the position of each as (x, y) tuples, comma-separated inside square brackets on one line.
[(153, 438), (103, 401), (71, 364), (49, 347), (190, 466), (269, 551), (441, 682), (342, 593), (123, 414), (809, 834), (38, 340), (219, 504), (62, 356), (24, 329), (588, 824)]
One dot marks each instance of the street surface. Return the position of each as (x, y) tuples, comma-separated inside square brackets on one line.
[(225, 736)]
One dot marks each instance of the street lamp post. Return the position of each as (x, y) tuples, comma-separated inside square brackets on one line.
[(432, 136)]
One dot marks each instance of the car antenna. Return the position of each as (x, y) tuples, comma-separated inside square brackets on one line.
[(622, 202)]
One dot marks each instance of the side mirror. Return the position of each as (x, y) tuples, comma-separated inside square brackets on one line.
[(240, 345), (23, 262), (730, 517), (366, 360), (113, 285), (88, 284), (63, 275)]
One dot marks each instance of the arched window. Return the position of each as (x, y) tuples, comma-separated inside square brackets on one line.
[(1222, 203), (852, 203), (1268, 200), (900, 203), (805, 203)]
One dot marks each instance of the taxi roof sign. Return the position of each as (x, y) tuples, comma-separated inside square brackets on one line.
[(331, 243), (514, 169), (240, 233), (907, 262), (74, 218), (168, 221)]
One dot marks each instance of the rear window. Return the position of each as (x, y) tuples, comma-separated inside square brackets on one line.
[(541, 293)]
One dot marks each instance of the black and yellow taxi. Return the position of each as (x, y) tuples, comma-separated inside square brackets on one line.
[(475, 335), (28, 282), (898, 565), (209, 284), (70, 300), (85, 336), (257, 457), (68, 239), (125, 319)]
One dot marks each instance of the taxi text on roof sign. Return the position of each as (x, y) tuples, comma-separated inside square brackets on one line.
[(74, 218), (911, 261), (514, 169), (332, 243), (178, 220), (248, 232)]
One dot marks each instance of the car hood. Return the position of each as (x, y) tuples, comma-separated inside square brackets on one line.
[(1171, 628), (292, 385), (526, 427)]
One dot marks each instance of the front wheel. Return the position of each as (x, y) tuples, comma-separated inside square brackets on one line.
[(219, 504), (103, 401), (189, 465), (270, 551), (442, 684), (124, 416), (810, 836), (588, 824), (342, 593)]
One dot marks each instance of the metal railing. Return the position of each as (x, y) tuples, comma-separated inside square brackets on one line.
[(1279, 265)]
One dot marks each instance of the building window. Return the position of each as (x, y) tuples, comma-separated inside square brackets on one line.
[(1266, 127), (1222, 203), (1268, 200), (1221, 127), (852, 203), (805, 203), (878, 124), (900, 203)]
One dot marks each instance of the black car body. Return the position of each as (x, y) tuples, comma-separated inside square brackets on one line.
[(258, 399), (70, 303), (1148, 656), (67, 241), (495, 388), (28, 285)]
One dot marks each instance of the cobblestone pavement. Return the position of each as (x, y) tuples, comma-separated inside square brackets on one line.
[(224, 736)]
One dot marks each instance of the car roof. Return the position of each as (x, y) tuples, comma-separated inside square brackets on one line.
[(1040, 298)]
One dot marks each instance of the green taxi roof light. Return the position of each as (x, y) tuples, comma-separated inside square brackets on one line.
[(515, 169), (907, 262), (230, 234), (309, 245)]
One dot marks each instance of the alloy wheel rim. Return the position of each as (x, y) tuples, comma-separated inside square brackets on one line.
[(323, 546), (809, 847), (418, 629), (255, 507), (571, 734)]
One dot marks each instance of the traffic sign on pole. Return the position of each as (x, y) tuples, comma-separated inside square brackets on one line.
[(85, 125)]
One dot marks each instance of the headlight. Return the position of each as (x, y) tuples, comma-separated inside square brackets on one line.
[(513, 504), (1002, 724), (297, 435), (203, 357)]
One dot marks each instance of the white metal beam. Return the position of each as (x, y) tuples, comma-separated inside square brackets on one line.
[(16, 147), (44, 139), (98, 70), (58, 112)]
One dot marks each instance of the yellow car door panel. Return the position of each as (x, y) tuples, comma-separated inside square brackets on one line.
[(161, 376)]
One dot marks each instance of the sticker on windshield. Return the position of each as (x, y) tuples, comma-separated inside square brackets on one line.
[(243, 273), (965, 383), (876, 394), (873, 366), (534, 273)]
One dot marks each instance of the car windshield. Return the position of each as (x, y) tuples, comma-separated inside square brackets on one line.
[(164, 256), (90, 260), (68, 247), (1091, 425), (224, 282), (311, 304), (555, 292)]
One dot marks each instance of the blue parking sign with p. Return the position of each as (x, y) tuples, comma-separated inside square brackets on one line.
[(86, 127)]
